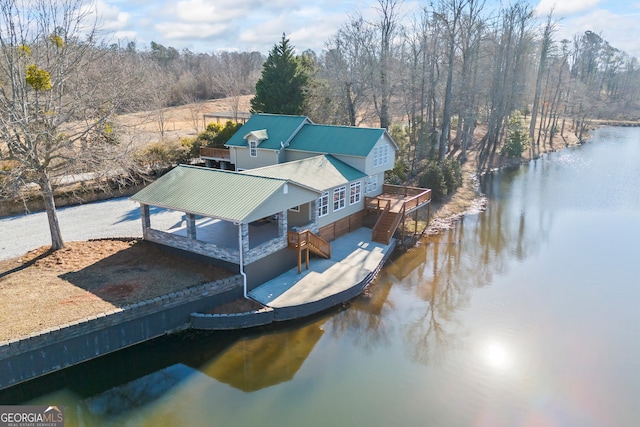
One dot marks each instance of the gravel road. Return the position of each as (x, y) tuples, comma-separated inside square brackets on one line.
[(112, 218)]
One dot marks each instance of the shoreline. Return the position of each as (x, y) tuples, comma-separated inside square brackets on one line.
[(468, 199)]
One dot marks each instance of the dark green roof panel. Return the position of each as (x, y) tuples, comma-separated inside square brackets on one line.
[(280, 128), (340, 140)]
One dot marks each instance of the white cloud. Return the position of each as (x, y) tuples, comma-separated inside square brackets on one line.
[(207, 11), (619, 29), (188, 31), (564, 7), (244, 25), (111, 16)]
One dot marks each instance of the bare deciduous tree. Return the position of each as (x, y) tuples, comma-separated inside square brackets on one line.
[(57, 98)]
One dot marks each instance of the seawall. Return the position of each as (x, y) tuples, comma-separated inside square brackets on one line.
[(39, 354)]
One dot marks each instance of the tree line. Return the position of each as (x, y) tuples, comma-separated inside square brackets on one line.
[(456, 65), (457, 70)]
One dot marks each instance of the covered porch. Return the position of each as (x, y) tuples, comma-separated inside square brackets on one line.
[(219, 224)]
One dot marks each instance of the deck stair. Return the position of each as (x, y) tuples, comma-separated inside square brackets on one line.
[(306, 241), (387, 224), (392, 206)]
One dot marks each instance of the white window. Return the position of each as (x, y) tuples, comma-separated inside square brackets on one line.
[(323, 204), (253, 148), (339, 198), (354, 192), (371, 184), (380, 155)]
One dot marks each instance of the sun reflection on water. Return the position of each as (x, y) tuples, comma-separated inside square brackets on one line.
[(498, 356)]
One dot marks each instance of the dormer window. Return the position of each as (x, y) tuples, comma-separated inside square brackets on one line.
[(254, 138)]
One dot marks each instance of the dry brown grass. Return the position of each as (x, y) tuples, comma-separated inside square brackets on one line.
[(179, 122), (42, 289)]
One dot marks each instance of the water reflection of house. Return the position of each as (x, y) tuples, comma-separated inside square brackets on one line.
[(127, 399), (295, 185), (254, 363)]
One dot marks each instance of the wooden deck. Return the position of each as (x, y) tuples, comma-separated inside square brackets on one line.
[(409, 198), (215, 153), (392, 207)]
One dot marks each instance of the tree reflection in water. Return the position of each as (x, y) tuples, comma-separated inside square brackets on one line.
[(444, 269)]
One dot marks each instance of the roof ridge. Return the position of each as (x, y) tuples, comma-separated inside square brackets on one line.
[(238, 173), (344, 126), (281, 115), (276, 165)]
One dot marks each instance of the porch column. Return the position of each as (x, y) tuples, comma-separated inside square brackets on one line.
[(191, 226), (313, 213), (244, 229), (146, 218), (282, 223)]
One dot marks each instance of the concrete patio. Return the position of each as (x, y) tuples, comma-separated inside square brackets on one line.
[(355, 261)]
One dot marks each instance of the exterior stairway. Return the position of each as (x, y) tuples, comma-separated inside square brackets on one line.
[(387, 224), (385, 227), (309, 242)]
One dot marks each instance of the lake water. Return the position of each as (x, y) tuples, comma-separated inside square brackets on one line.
[(527, 314)]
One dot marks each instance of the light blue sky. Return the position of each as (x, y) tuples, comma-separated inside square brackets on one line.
[(242, 25)]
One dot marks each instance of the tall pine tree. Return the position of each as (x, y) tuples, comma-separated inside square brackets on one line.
[(282, 87)]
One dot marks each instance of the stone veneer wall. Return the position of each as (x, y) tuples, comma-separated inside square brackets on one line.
[(213, 251), (265, 249), (186, 244), (61, 347)]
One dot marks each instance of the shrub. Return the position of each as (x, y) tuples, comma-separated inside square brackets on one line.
[(452, 175), (398, 175), (442, 177), (191, 147), (160, 156), (216, 135), (517, 138)]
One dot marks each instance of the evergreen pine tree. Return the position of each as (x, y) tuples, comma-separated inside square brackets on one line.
[(282, 87)]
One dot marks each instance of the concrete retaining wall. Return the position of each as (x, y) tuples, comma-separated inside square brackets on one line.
[(249, 319), (40, 354)]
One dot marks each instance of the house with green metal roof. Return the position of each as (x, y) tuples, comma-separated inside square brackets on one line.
[(277, 142), (293, 184)]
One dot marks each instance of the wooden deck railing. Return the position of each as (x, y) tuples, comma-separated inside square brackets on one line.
[(215, 153), (412, 197), (306, 240), (417, 196), (404, 200)]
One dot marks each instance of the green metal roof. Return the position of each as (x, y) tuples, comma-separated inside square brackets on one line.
[(318, 172), (226, 195), (303, 135), (340, 140), (279, 128)]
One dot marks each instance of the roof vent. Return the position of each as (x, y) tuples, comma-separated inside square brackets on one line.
[(285, 189)]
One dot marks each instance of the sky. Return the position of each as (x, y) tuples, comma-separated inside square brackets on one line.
[(205, 26)]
